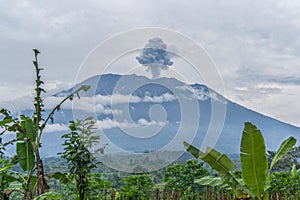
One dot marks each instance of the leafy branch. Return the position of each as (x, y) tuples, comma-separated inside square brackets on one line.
[(29, 132), (58, 107)]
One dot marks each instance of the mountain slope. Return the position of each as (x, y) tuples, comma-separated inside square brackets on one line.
[(173, 96), (137, 114)]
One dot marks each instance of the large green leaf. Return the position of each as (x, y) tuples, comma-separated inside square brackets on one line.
[(254, 159), (209, 180), (6, 167), (25, 155), (30, 129), (216, 160), (25, 142), (285, 146), (49, 195), (8, 177), (63, 178), (193, 150), (219, 162), (5, 121), (294, 171)]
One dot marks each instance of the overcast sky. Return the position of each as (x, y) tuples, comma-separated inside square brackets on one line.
[(254, 44)]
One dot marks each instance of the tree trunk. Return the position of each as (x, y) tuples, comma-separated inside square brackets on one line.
[(42, 186)]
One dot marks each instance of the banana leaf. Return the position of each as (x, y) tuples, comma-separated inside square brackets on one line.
[(253, 160), (25, 155), (285, 146), (30, 129), (213, 182), (219, 162)]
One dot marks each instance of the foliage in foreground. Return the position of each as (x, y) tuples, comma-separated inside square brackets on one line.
[(286, 184), (29, 131), (136, 187), (255, 173), (182, 177), (78, 155), (286, 162), (256, 179)]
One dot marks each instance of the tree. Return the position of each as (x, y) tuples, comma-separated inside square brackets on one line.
[(285, 184), (80, 159), (29, 130), (182, 177), (136, 187)]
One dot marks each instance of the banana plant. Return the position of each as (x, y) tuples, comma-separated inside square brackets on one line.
[(253, 159), (255, 172), (223, 165), (29, 130), (213, 182), (285, 184), (284, 148)]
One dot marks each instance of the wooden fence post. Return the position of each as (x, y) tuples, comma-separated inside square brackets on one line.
[(165, 194), (173, 194), (157, 194), (113, 195), (104, 192)]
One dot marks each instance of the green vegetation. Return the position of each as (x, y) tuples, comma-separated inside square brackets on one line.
[(80, 160), (29, 130), (182, 177), (287, 161), (77, 174), (255, 173), (136, 187), (285, 184)]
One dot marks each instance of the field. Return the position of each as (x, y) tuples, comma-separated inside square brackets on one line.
[(77, 174)]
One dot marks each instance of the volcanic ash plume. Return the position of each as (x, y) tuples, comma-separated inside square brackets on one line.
[(155, 57)]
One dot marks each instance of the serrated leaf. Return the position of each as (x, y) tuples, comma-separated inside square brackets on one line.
[(35, 63), (36, 52), (6, 121), (63, 178)]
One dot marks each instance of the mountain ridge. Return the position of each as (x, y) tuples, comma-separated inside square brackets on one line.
[(151, 112), (235, 117), (92, 78)]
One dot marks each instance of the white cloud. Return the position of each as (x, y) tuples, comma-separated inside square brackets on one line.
[(116, 99), (111, 123), (159, 99), (55, 128), (144, 122), (199, 94), (9, 92), (20, 97), (107, 124), (100, 103), (279, 101), (239, 35), (23, 100), (202, 94)]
